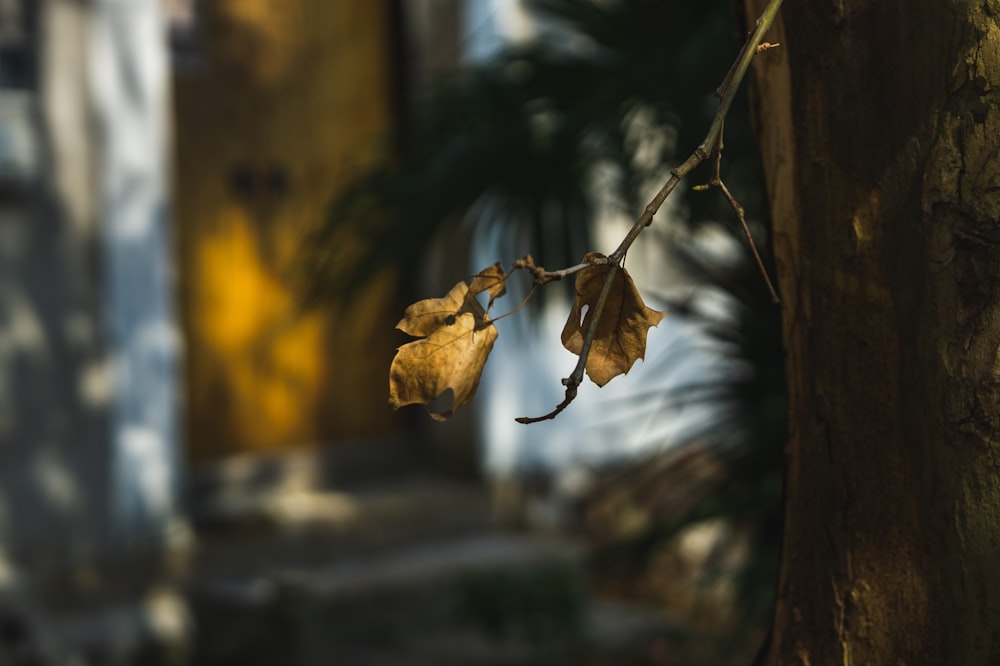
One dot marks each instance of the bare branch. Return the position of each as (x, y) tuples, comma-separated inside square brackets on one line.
[(738, 209), (712, 145), (572, 383), (493, 280), (726, 93), (543, 276), (717, 182), (570, 396)]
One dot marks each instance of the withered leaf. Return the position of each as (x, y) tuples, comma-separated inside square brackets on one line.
[(491, 280), (620, 338), (424, 317), (457, 339)]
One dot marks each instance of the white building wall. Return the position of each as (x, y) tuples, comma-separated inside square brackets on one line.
[(128, 74), (88, 344)]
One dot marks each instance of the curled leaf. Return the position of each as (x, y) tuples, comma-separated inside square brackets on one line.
[(492, 280), (620, 339), (457, 337)]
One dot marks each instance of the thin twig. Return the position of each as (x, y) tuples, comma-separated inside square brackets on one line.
[(543, 276), (717, 182), (573, 382), (570, 397), (726, 93), (524, 301), (712, 144), (738, 209)]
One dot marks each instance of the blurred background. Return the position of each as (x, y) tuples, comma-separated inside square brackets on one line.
[(212, 215)]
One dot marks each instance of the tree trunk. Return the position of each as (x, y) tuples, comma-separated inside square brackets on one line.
[(880, 127)]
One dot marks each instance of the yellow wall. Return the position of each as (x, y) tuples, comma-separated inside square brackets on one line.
[(287, 100)]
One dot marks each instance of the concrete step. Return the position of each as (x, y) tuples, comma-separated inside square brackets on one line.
[(299, 568), (298, 528), (490, 598)]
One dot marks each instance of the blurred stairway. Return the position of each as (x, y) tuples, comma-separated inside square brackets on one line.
[(354, 558)]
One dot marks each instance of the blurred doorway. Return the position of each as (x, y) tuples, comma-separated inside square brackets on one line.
[(278, 104)]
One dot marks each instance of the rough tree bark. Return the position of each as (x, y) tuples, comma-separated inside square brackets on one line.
[(880, 129)]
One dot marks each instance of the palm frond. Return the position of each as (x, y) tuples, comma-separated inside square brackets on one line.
[(525, 130)]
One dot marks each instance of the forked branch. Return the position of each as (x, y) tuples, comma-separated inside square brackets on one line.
[(711, 146), (456, 333)]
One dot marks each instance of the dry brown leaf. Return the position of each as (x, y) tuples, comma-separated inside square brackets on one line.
[(424, 317), (457, 339), (620, 338), (491, 280)]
